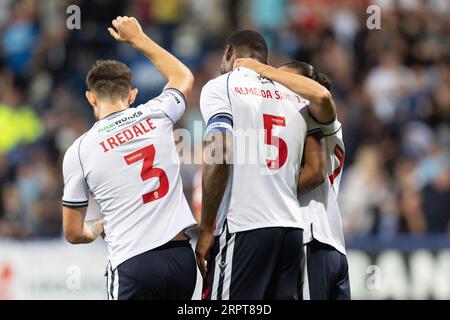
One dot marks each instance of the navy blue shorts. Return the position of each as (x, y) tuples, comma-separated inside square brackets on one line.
[(168, 272), (259, 264), (327, 273)]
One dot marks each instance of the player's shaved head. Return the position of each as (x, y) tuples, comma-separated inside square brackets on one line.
[(109, 79), (244, 44), (307, 70)]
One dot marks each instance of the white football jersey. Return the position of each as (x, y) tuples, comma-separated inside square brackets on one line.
[(268, 139), (320, 204), (129, 164)]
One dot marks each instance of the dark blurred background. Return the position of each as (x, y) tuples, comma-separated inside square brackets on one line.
[(391, 87)]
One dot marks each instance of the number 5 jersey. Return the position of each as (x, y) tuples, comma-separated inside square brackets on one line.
[(269, 132)]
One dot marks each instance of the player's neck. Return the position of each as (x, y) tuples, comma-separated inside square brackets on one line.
[(105, 109)]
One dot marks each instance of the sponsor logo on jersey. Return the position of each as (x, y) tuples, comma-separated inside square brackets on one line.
[(117, 123)]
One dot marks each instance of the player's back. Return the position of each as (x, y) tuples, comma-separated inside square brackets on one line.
[(268, 139), (320, 204), (131, 168)]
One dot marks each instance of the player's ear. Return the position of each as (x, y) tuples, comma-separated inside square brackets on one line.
[(229, 53), (91, 98), (132, 96)]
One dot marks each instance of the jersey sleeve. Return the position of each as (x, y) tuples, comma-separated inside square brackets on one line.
[(76, 193), (215, 105), (171, 102), (329, 129), (314, 126)]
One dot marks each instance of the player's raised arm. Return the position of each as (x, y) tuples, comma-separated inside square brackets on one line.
[(322, 107), (128, 29)]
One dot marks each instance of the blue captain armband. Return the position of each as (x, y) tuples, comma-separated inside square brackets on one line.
[(222, 122)]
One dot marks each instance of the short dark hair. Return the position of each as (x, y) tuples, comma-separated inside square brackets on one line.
[(109, 79), (250, 41), (308, 71)]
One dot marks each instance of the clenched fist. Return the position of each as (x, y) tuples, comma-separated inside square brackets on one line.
[(126, 29)]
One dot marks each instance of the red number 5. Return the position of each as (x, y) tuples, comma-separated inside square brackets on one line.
[(269, 122), (148, 172)]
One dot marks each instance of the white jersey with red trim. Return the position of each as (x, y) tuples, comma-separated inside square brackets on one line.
[(129, 164), (321, 203), (268, 140)]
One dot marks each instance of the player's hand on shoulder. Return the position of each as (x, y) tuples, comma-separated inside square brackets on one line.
[(125, 29), (250, 63)]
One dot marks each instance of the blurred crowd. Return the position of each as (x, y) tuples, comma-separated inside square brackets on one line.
[(391, 87)]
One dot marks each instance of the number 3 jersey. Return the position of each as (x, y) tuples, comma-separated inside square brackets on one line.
[(268, 139), (129, 164)]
